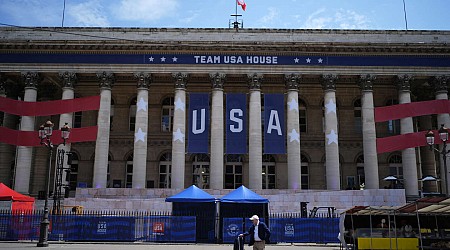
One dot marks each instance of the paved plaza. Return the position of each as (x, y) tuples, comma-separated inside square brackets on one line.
[(151, 246)]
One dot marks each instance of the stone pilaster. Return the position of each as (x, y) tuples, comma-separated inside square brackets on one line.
[(406, 126), (217, 131), (440, 84), (6, 150), (179, 131), (372, 180), (293, 129), (106, 82), (331, 133), (255, 133), (141, 131), (25, 154), (427, 157), (68, 80)]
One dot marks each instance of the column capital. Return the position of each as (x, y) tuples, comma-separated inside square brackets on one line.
[(180, 80), (404, 82), (366, 81), (218, 80), (143, 79), (68, 79), (255, 80), (30, 79), (329, 81), (106, 79), (292, 81), (440, 83)]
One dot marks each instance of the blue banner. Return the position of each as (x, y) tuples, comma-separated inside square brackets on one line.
[(274, 130), (300, 60), (304, 230), (236, 124), (198, 123)]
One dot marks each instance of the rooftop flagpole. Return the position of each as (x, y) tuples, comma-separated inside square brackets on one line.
[(404, 11)]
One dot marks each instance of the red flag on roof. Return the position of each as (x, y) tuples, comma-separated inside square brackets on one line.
[(242, 4)]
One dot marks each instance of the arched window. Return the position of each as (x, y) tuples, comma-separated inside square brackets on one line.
[(357, 115), (200, 171), (302, 116), (129, 172), (393, 125), (132, 114), (305, 172), (396, 166), (165, 169), (233, 171), (268, 172), (167, 114)]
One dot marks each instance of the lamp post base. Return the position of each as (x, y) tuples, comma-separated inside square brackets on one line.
[(43, 235)]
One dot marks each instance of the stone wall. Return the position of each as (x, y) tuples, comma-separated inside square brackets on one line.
[(281, 201)]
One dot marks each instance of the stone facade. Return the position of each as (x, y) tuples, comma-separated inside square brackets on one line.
[(195, 43)]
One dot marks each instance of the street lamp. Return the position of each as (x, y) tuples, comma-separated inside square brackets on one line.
[(443, 135), (45, 132)]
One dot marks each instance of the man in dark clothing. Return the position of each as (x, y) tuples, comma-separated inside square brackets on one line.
[(259, 234)]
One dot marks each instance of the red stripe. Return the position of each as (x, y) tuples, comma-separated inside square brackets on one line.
[(400, 142), (23, 108), (412, 109), (31, 138)]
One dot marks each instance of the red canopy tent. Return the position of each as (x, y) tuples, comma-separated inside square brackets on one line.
[(19, 201)]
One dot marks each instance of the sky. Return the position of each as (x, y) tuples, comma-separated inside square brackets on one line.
[(278, 14)]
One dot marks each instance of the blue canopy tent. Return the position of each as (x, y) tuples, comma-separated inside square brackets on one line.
[(243, 203), (195, 202)]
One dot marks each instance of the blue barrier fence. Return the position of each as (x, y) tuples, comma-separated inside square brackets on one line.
[(125, 227)]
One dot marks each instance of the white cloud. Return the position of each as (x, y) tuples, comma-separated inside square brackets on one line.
[(272, 14), (144, 10), (89, 14), (340, 19), (30, 12)]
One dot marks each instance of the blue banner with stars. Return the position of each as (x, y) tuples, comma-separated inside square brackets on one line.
[(229, 59), (198, 123)]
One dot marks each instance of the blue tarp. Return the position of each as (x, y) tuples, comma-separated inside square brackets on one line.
[(191, 194), (243, 195)]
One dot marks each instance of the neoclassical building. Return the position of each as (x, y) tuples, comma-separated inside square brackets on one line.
[(154, 85)]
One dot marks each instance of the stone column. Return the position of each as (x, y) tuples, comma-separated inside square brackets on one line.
[(255, 133), (25, 154), (441, 89), (179, 131), (294, 172), (141, 131), (427, 157), (68, 80), (217, 131), (372, 180), (406, 126), (106, 82), (6, 150), (331, 133)]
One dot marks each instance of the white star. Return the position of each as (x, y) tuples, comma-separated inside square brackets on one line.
[(174, 59), (151, 59), (308, 60), (332, 137), (179, 104), (141, 105), (320, 60), (139, 136), (293, 105), (330, 106), (294, 136), (163, 59), (178, 135), (296, 60)]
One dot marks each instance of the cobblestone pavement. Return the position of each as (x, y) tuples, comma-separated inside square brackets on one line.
[(150, 246)]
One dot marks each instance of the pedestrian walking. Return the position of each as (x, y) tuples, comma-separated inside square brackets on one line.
[(259, 234)]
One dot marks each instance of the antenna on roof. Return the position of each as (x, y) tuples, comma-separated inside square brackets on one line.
[(237, 23)]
